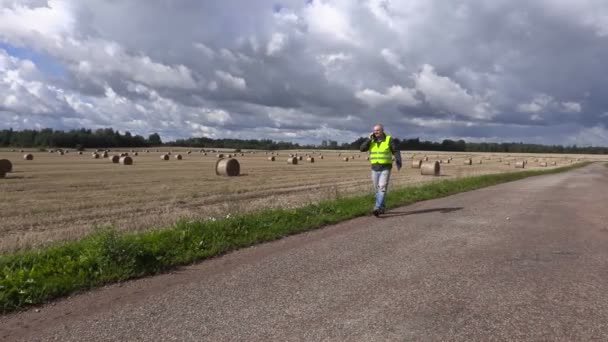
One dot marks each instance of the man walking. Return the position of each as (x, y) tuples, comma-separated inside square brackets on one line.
[(381, 148)]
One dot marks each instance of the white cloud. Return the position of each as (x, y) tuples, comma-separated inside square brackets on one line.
[(328, 60), (392, 59), (276, 44), (53, 20), (538, 104), (571, 107), (596, 136), (444, 94), (23, 91), (327, 20), (394, 94), (207, 51), (231, 81)]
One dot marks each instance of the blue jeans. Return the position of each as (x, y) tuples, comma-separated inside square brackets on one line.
[(380, 179)]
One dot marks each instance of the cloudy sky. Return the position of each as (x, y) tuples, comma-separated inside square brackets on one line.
[(481, 70)]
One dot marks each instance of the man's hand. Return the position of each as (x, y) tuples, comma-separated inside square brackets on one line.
[(399, 164)]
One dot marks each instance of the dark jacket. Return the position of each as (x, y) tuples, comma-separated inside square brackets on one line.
[(365, 146)]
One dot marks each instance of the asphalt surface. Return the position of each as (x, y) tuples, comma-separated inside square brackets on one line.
[(525, 260)]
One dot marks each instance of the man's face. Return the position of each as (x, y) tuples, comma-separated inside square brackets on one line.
[(378, 131)]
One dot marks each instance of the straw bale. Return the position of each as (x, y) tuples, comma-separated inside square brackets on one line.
[(6, 165), (430, 169), (227, 167), (126, 160)]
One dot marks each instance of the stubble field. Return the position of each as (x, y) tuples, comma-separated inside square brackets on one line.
[(62, 197)]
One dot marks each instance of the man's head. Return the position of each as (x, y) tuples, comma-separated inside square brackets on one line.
[(378, 130)]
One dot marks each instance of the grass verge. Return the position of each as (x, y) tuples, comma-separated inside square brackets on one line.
[(34, 277)]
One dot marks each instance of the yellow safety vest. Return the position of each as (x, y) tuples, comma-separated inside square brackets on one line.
[(380, 153)]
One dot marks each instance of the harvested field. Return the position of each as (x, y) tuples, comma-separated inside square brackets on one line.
[(54, 198)]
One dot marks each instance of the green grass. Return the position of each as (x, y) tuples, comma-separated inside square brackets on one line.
[(34, 277)]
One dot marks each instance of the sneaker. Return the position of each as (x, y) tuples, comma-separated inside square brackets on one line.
[(381, 210), (376, 212)]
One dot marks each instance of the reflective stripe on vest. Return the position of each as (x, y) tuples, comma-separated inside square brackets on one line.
[(380, 153)]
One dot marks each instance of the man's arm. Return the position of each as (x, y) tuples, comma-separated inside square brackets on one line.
[(395, 149), (365, 145)]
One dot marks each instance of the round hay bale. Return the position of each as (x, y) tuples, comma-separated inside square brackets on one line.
[(189, 152), (204, 153), (227, 167), (367, 158), (164, 157), (468, 161), (416, 164), (321, 157), (21, 151), (345, 159), (80, 152), (543, 164), (178, 156), (520, 165), (447, 161), (124, 154), (220, 155), (60, 153), (292, 160), (2, 174), (28, 156), (126, 160), (135, 154), (430, 169), (310, 159), (554, 163), (425, 158), (95, 155), (105, 154), (242, 154), (115, 158), (480, 161), (271, 158), (229, 156), (299, 157), (6, 165)]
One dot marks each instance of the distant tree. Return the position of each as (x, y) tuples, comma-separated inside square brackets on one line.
[(154, 139)]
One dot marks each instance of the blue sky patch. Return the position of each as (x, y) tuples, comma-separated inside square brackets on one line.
[(44, 62)]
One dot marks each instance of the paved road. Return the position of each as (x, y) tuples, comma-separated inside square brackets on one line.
[(527, 260)]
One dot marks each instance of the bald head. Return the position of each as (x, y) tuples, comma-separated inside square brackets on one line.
[(378, 130)]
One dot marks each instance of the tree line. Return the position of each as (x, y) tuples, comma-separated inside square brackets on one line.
[(108, 137)]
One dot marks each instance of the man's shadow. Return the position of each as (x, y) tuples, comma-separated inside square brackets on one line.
[(422, 211)]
